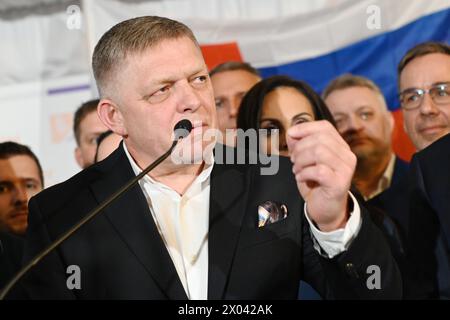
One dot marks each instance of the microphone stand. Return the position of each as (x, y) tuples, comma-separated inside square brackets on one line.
[(83, 221)]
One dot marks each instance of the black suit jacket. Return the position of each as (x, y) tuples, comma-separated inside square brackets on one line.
[(394, 200), (122, 256), (11, 251), (401, 169), (429, 226)]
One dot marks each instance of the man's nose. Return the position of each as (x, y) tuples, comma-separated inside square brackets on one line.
[(20, 195), (353, 123), (427, 106), (234, 108), (189, 99)]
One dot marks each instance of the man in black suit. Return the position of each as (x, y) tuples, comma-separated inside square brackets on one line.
[(191, 228), (429, 228), (424, 87)]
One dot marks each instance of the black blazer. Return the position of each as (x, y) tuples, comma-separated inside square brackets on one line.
[(394, 200), (429, 226), (401, 169), (122, 256), (11, 251)]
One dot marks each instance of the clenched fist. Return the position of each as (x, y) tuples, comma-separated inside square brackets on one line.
[(323, 165)]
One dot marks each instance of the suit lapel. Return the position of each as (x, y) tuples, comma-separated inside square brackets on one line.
[(228, 198), (131, 218)]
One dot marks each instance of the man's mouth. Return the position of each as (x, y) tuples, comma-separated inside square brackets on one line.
[(353, 142), (19, 214), (430, 130), (198, 123), (198, 126)]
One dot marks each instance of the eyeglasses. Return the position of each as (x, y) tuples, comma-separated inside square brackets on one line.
[(412, 98)]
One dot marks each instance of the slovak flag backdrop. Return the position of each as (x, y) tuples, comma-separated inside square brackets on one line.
[(314, 41)]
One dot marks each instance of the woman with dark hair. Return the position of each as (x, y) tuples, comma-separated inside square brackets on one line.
[(278, 103)]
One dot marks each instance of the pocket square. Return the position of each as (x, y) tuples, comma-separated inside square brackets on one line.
[(270, 212)]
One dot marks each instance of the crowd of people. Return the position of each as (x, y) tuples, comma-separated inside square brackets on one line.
[(191, 230)]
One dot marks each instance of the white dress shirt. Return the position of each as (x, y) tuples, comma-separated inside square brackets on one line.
[(337, 241), (183, 222)]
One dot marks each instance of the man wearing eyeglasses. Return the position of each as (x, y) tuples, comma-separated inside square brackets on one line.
[(424, 85)]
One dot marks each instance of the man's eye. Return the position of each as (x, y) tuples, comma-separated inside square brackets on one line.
[(443, 92), (4, 188), (159, 95), (365, 115), (412, 97), (338, 120), (31, 185), (199, 82), (200, 79), (161, 91), (219, 103)]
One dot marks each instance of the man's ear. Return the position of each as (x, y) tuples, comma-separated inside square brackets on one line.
[(391, 122), (111, 116), (79, 157)]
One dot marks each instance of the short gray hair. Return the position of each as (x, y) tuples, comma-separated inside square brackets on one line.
[(132, 36)]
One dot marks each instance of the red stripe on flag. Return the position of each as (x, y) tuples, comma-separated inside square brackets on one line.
[(218, 53), (401, 143)]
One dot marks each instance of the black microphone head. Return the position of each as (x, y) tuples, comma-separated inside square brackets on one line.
[(182, 129)]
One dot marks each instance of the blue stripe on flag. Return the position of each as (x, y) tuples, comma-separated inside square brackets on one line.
[(375, 58)]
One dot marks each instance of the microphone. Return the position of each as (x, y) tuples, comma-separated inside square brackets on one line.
[(181, 131)]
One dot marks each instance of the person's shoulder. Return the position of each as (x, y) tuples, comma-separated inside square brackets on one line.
[(438, 150), (400, 163)]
